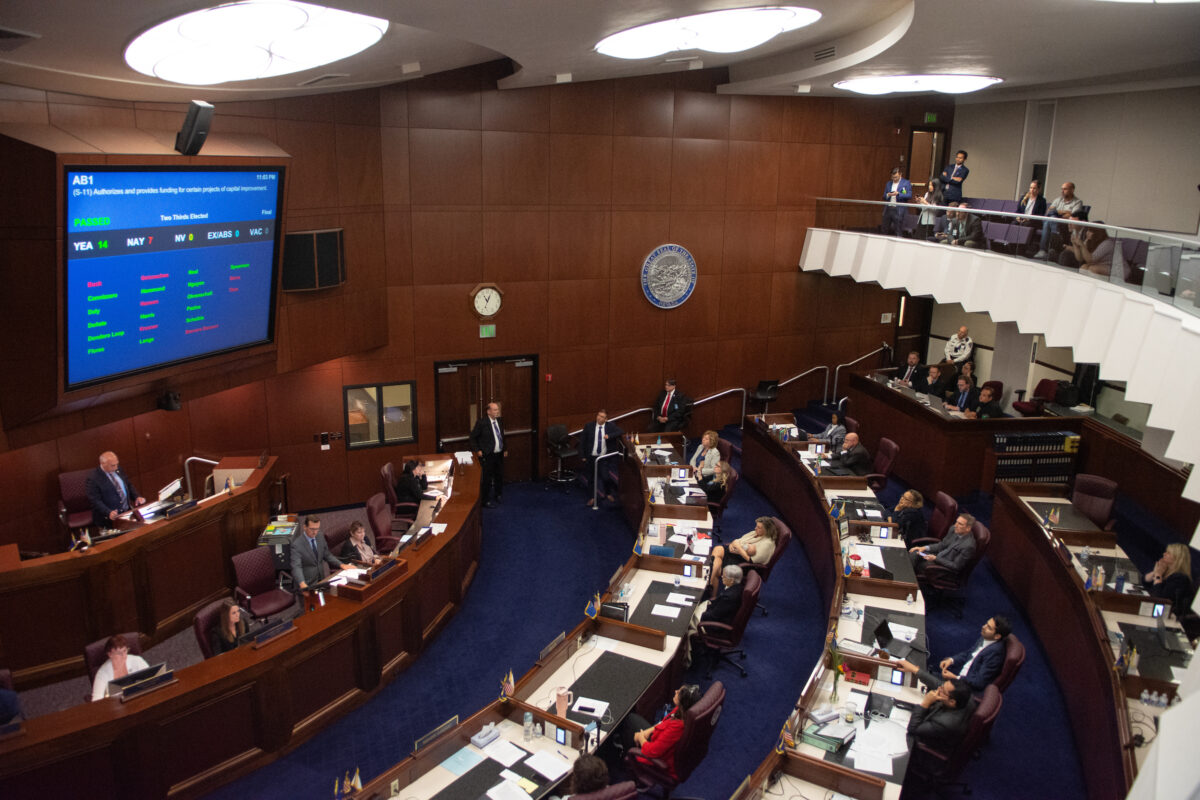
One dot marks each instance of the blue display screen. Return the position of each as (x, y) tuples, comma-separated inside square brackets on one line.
[(166, 265)]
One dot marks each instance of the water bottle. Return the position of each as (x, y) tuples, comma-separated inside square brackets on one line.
[(659, 440), (1083, 555), (528, 725), (1145, 698), (908, 601), (677, 580), (1120, 584)]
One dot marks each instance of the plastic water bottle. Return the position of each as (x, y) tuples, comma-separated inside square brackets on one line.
[(908, 601), (659, 440), (676, 580), (1145, 698), (528, 725)]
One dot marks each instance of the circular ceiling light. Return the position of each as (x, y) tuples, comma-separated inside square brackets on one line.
[(946, 84), (729, 31), (250, 39)]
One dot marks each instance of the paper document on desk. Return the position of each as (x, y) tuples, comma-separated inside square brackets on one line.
[(464, 456), (505, 752), (901, 716), (661, 610), (512, 777), (702, 547), (691, 557), (437, 527), (871, 762), (462, 761), (809, 455), (507, 790), (659, 452), (679, 599), (905, 633), (550, 765), (678, 538), (871, 554), (695, 492)]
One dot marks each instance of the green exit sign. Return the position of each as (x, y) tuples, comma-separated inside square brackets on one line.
[(930, 117), (487, 331)]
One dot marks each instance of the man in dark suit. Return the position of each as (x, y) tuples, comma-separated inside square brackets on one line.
[(309, 552), (953, 552), (910, 373), (599, 438), (487, 440), (943, 717), (109, 491), (988, 407), (977, 667), (898, 194), (964, 398), (671, 409), (853, 456), (931, 382)]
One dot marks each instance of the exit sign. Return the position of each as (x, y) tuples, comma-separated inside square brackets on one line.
[(930, 117), (487, 331)]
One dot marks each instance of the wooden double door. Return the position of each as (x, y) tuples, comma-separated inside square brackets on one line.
[(464, 388)]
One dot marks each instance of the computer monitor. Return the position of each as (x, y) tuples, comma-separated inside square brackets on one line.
[(117, 686), (171, 489)]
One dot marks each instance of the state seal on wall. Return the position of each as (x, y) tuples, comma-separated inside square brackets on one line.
[(668, 276)]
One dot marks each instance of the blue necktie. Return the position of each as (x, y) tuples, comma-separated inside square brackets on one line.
[(962, 402)]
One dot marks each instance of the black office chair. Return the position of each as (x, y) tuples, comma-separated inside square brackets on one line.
[(558, 444), (766, 393), (721, 640)]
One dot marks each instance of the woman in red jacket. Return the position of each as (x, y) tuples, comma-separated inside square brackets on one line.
[(658, 741)]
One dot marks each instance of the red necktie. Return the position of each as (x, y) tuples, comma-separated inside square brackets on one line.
[(666, 404)]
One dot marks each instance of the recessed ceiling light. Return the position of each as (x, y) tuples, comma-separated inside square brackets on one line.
[(251, 39), (947, 84), (729, 31)]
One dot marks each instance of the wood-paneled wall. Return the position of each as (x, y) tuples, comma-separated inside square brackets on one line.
[(557, 194)]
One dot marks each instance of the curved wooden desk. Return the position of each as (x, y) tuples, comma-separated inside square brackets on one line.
[(152, 579), (231, 714)]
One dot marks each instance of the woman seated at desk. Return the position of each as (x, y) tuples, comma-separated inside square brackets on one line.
[(715, 486), (119, 664), (756, 547), (1171, 578), (228, 628), (590, 774), (909, 519), (705, 459), (658, 741), (357, 548), (833, 434), (412, 483)]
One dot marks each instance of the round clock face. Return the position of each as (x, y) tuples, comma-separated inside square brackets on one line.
[(669, 276), (487, 301)]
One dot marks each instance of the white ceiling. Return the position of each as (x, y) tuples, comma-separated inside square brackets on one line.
[(1065, 45)]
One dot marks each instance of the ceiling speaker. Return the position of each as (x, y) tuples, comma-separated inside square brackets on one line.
[(191, 136)]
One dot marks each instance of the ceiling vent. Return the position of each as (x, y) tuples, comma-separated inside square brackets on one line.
[(825, 53), (12, 39), (332, 76)]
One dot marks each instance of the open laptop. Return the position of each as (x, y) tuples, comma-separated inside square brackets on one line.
[(117, 686), (1169, 639), (885, 641), (881, 574)]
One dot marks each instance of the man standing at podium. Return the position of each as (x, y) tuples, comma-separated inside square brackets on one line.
[(109, 491), (487, 440), (309, 552)]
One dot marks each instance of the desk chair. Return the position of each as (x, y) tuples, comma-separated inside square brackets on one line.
[(379, 519), (722, 639), (945, 511), (74, 509), (937, 769), (764, 570), (699, 721), (726, 449), (203, 622), (94, 657), (558, 444), (997, 388), (620, 791), (851, 424), (256, 591), (766, 392), (1094, 497), (1014, 657), (718, 509), (881, 469), (944, 585), (1043, 393), (406, 510)]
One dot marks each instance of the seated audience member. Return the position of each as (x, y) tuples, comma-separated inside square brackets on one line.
[(1065, 205), (853, 456), (911, 371), (714, 487), (932, 197), (898, 194), (10, 706), (227, 629), (943, 716), (964, 398), (959, 347), (833, 434), (119, 664), (599, 438), (588, 774), (931, 382), (1171, 578), (976, 667), (755, 547), (1031, 204), (412, 483), (658, 741), (952, 225), (671, 409), (970, 229), (988, 408), (908, 516), (720, 608), (967, 370), (953, 552), (706, 456), (357, 548), (1091, 251)]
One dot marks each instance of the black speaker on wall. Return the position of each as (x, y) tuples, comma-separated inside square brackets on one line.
[(313, 260), (191, 136)]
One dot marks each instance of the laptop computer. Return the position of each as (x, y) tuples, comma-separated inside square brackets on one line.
[(1169, 639), (881, 574), (885, 641)]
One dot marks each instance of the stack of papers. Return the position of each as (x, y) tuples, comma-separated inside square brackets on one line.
[(661, 610), (871, 554), (504, 751), (701, 547), (679, 599)]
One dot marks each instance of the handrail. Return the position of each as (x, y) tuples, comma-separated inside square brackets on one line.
[(742, 418), (884, 347), (824, 392), (513, 432), (187, 473), (1138, 232), (596, 476)]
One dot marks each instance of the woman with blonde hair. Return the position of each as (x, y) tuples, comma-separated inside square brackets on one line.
[(705, 459), (1171, 578), (755, 547)]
